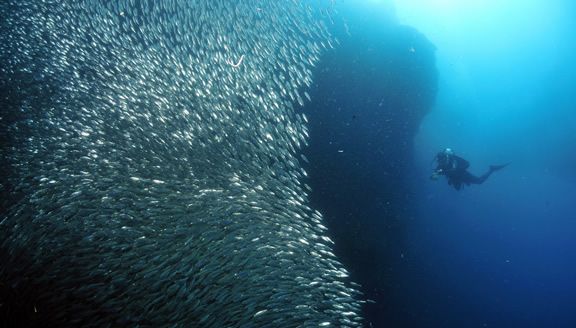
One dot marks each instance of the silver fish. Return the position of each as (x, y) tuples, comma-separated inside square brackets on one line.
[(154, 163)]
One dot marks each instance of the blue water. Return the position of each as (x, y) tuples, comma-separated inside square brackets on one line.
[(500, 254)]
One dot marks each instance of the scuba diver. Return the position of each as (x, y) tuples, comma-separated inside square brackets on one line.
[(455, 169)]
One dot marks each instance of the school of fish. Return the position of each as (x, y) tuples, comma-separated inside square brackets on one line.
[(152, 165)]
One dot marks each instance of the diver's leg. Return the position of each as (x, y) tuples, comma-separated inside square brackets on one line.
[(468, 178), (492, 169), (495, 168), (472, 179), (483, 177)]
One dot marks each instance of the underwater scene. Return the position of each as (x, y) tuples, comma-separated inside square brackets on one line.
[(293, 163)]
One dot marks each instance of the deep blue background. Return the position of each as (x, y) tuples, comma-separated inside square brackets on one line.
[(501, 254), (496, 255)]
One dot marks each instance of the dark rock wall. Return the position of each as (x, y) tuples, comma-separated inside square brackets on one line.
[(370, 95)]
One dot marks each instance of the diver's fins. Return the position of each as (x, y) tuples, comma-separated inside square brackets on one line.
[(494, 168)]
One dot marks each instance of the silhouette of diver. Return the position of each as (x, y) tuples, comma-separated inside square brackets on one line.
[(455, 169)]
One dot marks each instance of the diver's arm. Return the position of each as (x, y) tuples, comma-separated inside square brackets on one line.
[(437, 172), (441, 169)]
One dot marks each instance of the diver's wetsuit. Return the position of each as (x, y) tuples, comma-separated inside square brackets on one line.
[(455, 169)]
